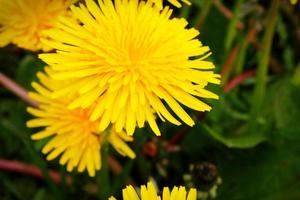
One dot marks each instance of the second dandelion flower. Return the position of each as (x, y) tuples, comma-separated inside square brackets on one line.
[(72, 135)]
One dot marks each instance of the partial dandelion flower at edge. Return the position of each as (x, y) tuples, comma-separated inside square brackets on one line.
[(149, 193), (135, 61), (293, 2), (23, 21), (72, 136)]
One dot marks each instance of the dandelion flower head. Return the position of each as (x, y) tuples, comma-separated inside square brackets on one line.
[(129, 62), (293, 2), (72, 134), (149, 193), (23, 21)]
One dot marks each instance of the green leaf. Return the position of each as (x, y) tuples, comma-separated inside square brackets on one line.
[(245, 141), (40, 195), (286, 104), (211, 35), (296, 77), (269, 171), (27, 70)]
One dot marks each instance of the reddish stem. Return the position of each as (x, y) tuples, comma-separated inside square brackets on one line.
[(16, 89), (19, 167), (226, 69), (237, 80), (114, 165), (227, 13), (150, 149)]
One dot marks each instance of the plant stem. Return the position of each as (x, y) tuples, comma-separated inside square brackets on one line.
[(240, 61), (227, 13), (260, 88), (203, 14), (32, 170), (36, 157), (16, 89), (237, 80), (103, 181), (231, 31)]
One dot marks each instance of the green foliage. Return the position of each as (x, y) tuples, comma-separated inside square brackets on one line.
[(28, 67)]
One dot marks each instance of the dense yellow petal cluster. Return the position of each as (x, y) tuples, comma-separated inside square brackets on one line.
[(177, 3), (127, 62), (73, 135), (23, 21), (149, 193)]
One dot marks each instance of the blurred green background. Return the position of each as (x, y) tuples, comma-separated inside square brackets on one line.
[(247, 147)]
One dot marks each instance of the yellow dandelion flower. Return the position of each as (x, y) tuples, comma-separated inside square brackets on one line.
[(177, 3), (293, 1), (73, 135), (23, 21), (133, 60), (149, 193)]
